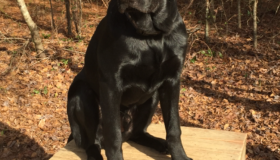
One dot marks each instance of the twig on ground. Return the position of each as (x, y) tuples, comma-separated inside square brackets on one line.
[(23, 48), (73, 51), (14, 38), (1, 34), (273, 38), (12, 59), (277, 9), (3, 37), (186, 8), (105, 4), (190, 32), (205, 44), (231, 17), (189, 52)]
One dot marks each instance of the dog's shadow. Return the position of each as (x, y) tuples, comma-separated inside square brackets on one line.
[(130, 151), (137, 151)]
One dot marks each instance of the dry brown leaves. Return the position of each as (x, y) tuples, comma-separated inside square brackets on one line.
[(237, 90), (33, 94)]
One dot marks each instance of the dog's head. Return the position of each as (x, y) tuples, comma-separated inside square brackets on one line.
[(143, 6), (139, 14), (150, 17)]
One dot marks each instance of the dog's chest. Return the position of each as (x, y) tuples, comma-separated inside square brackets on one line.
[(139, 70), (147, 63), (148, 69), (143, 75)]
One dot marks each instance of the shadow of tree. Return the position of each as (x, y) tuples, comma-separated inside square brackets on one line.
[(22, 21), (255, 150), (183, 120), (234, 48), (261, 152), (199, 86), (14, 144)]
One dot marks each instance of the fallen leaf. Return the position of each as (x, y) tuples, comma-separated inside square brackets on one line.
[(42, 123), (226, 126)]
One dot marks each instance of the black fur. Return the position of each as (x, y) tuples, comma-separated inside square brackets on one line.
[(133, 61)]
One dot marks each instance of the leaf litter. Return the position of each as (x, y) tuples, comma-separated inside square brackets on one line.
[(228, 87)]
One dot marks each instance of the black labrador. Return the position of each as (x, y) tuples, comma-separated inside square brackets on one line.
[(134, 60)]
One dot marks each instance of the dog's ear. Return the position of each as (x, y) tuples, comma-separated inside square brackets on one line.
[(167, 17)]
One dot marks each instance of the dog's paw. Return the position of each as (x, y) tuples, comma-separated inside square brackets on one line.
[(93, 153), (162, 147), (92, 158), (184, 158), (164, 151)]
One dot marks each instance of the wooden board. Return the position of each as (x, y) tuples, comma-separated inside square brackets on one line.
[(199, 144)]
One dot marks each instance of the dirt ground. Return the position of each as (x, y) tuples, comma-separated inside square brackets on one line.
[(226, 84)]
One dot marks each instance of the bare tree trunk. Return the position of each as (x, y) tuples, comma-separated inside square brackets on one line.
[(33, 29), (77, 15), (80, 14), (226, 23), (207, 22), (52, 20), (68, 17), (239, 13), (212, 11), (255, 24)]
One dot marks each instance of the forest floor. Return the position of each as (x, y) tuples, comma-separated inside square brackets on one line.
[(226, 84)]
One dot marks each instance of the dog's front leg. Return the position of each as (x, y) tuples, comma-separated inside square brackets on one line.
[(110, 101), (169, 98)]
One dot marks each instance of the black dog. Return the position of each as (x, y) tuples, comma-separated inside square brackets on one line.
[(133, 61)]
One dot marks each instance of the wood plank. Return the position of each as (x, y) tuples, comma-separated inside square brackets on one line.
[(200, 144)]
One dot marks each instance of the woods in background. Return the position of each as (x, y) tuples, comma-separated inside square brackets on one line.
[(226, 83), (212, 9)]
